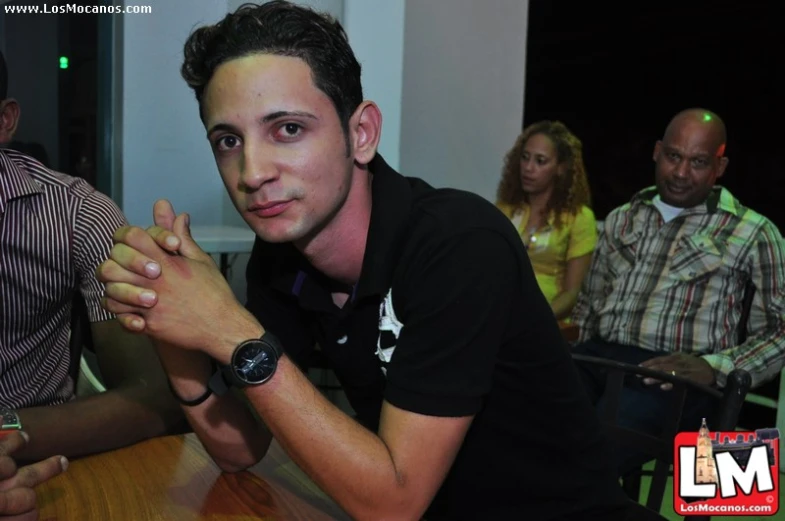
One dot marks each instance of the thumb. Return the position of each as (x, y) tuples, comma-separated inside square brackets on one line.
[(188, 247), (163, 214)]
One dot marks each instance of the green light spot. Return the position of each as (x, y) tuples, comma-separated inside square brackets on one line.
[(707, 117), (63, 62)]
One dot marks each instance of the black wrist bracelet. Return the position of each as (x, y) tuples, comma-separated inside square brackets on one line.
[(190, 403)]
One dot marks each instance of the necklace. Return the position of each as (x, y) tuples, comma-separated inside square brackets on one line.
[(532, 237)]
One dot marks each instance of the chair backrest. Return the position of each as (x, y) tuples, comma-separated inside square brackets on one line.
[(746, 306), (660, 448)]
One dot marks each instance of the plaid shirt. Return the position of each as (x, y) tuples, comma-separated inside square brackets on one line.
[(678, 286)]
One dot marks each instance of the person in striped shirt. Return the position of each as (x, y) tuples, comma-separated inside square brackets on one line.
[(54, 232), (667, 280)]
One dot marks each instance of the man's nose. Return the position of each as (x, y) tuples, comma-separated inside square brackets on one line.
[(257, 169), (683, 170)]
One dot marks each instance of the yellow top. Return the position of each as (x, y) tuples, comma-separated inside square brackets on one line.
[(550, 248)]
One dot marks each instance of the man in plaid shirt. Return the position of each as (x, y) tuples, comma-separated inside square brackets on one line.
[(667, 280)]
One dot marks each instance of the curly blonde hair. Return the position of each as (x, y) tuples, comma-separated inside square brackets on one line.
[(571, 188)]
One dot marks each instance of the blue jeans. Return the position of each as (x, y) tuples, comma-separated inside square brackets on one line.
[(641, 407)]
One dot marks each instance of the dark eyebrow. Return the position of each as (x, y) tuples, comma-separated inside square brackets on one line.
[(221, 126), (286, 113), (691, 158)]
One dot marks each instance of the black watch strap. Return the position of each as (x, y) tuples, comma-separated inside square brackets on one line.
[(218, 383), (273, 342)]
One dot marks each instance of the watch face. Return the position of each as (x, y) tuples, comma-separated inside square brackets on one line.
[(255, 362)]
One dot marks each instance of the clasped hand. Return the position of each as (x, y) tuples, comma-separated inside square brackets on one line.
[(160, 282)]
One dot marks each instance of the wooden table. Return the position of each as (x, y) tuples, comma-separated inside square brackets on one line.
[(173, 479)]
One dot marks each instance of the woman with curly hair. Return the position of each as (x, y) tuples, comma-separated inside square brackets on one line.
[(544, 191)]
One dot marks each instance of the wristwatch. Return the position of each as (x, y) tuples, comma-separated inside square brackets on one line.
[(253, 363), (10, 421)]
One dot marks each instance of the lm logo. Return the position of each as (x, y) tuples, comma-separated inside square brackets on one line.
[(726, 473)]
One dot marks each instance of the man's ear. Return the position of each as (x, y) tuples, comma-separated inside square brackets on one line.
[(365, 131), (657, 150), (723, 165), (9, 119)]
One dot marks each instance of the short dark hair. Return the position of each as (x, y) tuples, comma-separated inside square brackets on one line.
[(3, 78), (283, 29)]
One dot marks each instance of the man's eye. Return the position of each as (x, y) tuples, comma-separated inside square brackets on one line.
[(699, 163), (227, 143), (289, 130)]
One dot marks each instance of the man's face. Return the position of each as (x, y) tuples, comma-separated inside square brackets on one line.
[(688, 163), (278, 144)]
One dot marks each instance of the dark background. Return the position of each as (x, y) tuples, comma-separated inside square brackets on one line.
[(616, 74), (78, 93)]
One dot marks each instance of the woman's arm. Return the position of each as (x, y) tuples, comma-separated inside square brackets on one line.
[(577, 269)]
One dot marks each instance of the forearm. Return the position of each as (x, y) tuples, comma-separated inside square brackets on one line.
[(224, 425), (564, 302), (98, 423), (350, 463), (761, 355)]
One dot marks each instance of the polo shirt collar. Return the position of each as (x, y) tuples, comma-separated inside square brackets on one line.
[(391, 196)]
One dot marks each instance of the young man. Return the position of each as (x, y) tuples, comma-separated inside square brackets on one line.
[(54, 231), (668, 278), (468, 405)]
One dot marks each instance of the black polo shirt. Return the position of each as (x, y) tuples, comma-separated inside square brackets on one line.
[(447, 320)]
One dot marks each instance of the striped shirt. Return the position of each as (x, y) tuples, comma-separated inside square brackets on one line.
[(54, 231), (678, 286)]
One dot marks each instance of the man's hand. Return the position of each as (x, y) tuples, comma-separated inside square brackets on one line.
[(17, 497), (160, 282), (694, 368)]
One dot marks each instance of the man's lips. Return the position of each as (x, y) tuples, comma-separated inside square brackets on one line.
[(679, 189), (270, 209)]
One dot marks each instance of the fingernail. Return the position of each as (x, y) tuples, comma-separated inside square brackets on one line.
[(25, 436), (188, 220), (172, 242), (152, 269), (137, 323), (64, 463), (148, 297)]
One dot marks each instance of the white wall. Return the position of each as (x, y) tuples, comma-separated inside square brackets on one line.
[(375, 29), (164, 150), (463, 81), (32, 39)]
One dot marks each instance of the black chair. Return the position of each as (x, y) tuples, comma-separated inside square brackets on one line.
[(632, 482), (80, 333), (660, 448), (81, 341)]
